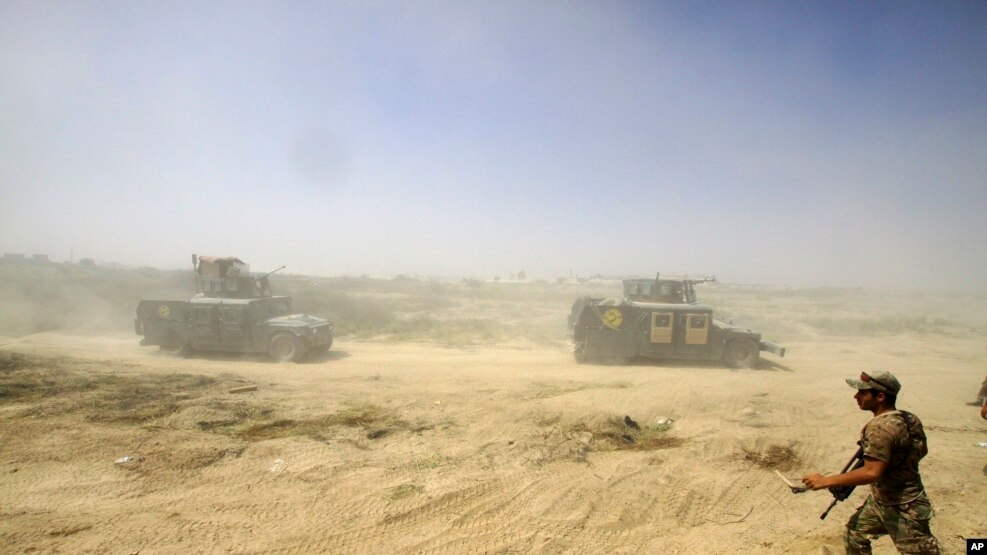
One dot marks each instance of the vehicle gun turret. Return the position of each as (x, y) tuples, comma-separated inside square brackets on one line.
[(229, 278), (664, 290)]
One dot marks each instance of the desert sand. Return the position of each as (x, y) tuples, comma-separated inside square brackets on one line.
[(415, 448)]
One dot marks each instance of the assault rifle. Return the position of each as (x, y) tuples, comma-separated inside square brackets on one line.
[(840, 493)]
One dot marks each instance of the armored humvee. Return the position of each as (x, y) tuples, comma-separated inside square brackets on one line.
[(661, 318), (233, 312)]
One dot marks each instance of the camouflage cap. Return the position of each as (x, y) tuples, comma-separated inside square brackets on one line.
[(881, 380)]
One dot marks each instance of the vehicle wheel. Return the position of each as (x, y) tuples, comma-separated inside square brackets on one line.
[(580, 353), (174, 344), (741, 353), (285, 347), (185, 350), (618, 361)]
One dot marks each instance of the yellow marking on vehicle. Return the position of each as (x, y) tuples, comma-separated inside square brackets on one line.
[(612, 318), (164, 311)]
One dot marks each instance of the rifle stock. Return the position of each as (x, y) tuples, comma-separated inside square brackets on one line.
[(840, 493)]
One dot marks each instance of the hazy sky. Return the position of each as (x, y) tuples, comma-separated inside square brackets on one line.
[(804, 143)]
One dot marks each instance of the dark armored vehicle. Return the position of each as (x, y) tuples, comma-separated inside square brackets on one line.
[(233, 312), (661, 318)]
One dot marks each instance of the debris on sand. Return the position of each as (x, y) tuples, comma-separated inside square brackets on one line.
[(243, 389), (402, 491), (746, 412), (663, 421), (575, 439), (773, 457), (377, 433), (614, 434), (278, 466)]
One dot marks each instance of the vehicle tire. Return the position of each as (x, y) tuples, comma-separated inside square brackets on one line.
[(286, 347), (579, 353), (185, 350), (173, 344), (741, 353)]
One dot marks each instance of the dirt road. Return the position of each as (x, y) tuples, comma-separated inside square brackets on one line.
[(382, 448)]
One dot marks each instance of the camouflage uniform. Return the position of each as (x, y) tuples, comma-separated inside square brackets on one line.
[(982, 396), (897, 505)]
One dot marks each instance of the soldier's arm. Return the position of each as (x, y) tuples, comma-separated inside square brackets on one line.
[(870, 472), (983, 410)]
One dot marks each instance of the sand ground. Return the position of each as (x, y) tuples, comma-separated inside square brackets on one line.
[(487, 450)]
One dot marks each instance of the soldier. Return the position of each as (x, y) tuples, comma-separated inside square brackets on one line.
[(982, 396), (893, 442), (983, 409)]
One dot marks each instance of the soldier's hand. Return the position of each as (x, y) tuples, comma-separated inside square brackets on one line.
[(814, 481)]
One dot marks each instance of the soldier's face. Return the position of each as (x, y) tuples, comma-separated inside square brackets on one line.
[(865, 399)]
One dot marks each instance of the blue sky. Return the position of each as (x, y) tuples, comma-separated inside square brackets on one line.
[(764, 142)]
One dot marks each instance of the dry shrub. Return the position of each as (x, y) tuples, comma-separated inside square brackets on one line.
[(14, 361), (402, 491), (547, 390), (430, 460), (62, 385), (282, 428), (53, 386), (773, 457), (546, 419), (142, 398), (180, 458), (69, 530), (253, 421), (362, 416), (376, 421), (615, 434)]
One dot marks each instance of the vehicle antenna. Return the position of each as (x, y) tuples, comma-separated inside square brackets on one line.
[(195, 269)]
